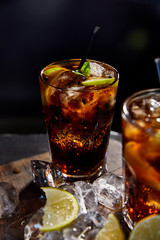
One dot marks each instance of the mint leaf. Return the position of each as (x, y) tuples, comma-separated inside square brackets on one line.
[(84, 71)]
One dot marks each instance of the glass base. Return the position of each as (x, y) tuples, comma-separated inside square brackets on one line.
[(90, 178)]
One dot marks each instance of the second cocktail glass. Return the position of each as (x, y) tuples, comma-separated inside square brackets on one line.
[(141, 153), (78, 115)]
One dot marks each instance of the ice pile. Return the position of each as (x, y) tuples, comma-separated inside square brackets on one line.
[(106, 190), (85, 226), (87, 223)]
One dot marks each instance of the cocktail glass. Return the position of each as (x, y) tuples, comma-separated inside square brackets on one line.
[(141, 153), (78, 117)]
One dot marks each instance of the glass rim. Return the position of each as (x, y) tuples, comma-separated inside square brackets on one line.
[(125, 110), (74, 60)]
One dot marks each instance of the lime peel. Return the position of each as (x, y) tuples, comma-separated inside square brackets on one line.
[(158, 135), (111, 230), (146, 229), (99, 81), (60, 210), (52, 70)]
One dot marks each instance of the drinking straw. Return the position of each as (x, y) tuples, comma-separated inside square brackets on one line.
[(157, 61), (96, 29)]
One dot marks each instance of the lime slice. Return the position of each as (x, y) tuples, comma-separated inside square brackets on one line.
[(147, 229), (112, 230), (60, 210), (100, 81), (54, 70), (158, 136)]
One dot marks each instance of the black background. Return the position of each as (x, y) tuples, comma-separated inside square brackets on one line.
[(34, 33)]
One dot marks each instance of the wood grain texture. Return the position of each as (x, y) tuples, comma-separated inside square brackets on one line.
[(18, 173)]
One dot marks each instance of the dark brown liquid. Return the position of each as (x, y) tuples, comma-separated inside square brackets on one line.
[(141, 201), (78, 146)]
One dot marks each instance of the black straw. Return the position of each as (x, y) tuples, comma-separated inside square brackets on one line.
[(96, 29)]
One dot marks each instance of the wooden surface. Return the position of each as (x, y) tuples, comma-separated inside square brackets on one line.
[(19, 174)]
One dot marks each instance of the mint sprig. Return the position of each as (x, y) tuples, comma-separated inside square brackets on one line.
[(84, 71)]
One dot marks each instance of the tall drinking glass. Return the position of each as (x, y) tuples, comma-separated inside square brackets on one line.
[(141, 153), (78, 114)]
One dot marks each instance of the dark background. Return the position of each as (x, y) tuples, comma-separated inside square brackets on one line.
[(34, 33)]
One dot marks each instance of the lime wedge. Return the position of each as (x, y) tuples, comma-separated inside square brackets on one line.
[(53, 70), (60, 210), (112, 230), (100, 81), (158, 136), (146, 229)]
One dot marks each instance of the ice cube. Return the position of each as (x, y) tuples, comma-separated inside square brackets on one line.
[(52, 236), (146, 111), (98, 71), (110, 189), (46, 174), (71, 101), (68, 79), (85, 227), (65, 78), (9, 199), (138, 111), (85, 195), (154, 104), (32, 229), (144, 106)]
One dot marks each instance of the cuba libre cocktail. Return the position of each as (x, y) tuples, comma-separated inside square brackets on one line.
[(78, 109), (141, 152)]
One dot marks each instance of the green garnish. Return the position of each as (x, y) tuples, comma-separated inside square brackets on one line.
[(52, 70), (84, 71), (101, 81)]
